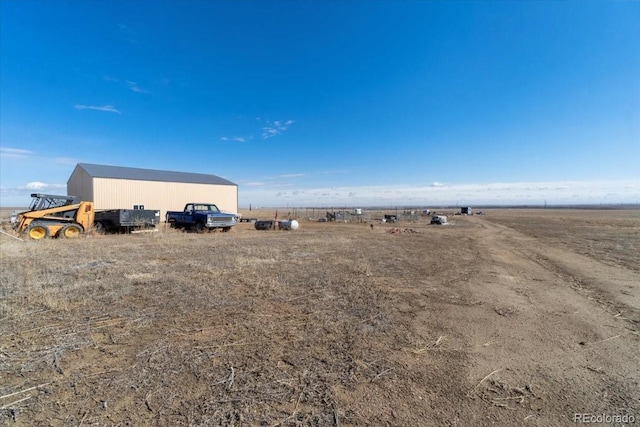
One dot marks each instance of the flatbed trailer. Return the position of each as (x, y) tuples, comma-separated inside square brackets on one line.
[(126, 220)]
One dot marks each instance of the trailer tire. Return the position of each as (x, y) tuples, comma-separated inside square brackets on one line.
[(99, 227), (38, 232), (71, 231)]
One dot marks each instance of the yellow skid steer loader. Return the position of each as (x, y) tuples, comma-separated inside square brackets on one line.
[(55, 216)]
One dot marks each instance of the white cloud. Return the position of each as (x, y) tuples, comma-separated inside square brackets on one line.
[(134, 87), (236, 138), (276, 182), (566, 192), (108, 108), (37, 185), (128, 83), (275, 128), (19, 195), (14, 153), (271, 129)]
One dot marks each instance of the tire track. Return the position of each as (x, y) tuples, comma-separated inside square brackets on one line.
[(615, 290)]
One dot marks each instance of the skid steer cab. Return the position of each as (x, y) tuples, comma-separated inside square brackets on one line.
[(55, 216)]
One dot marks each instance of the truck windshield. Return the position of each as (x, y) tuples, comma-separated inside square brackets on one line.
[(202, 207)]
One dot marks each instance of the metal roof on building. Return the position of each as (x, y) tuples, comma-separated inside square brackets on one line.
[(119, 172)]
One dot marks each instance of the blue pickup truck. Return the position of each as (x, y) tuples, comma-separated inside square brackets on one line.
[(201, 216)]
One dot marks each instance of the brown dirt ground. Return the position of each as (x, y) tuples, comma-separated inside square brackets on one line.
[(518, 317)]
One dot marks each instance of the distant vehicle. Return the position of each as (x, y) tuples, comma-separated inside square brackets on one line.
[(466, 210), (125, 220), (201, 216), (390, 218), (438, 219)]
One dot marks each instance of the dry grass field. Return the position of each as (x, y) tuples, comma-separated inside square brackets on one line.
[(518, 317)]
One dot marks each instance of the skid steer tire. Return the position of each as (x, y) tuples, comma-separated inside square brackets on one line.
[(71, 231), (37, 232)]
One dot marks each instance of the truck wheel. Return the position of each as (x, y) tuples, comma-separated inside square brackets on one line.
[(70, 231), (99, 227), (38, 232), (198, 227)]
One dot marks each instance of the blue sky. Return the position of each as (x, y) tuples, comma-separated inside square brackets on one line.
[(328, 103)]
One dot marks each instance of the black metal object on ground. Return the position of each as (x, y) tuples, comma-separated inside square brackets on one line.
[(281, 225), (125, 219)]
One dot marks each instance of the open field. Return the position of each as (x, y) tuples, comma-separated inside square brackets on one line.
[(518, 317)]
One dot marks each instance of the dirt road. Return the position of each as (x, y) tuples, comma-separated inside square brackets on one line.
[(565, 337), (521, 332)]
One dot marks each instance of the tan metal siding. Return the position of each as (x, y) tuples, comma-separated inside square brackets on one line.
[(123, 194), (79, 184)]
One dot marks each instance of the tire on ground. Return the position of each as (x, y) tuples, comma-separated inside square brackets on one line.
[(37, 232), (70, 231)]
